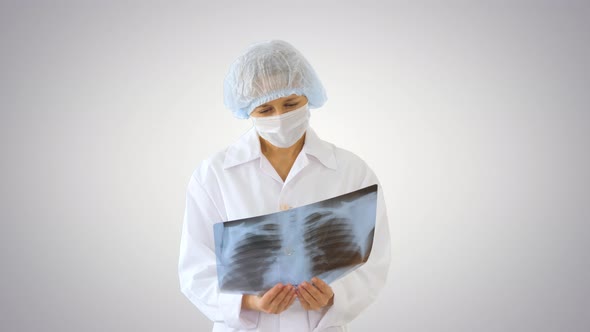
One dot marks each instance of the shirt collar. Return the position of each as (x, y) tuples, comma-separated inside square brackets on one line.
[(320, 149), (247, 148)]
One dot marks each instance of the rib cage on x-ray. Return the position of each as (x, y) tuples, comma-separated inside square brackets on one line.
[(260, 244), (331, 246), (326, 239)]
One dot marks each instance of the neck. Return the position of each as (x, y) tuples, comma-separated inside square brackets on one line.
[(282, 159), (274, 152)]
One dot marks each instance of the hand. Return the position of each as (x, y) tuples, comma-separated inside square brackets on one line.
[(274, 301), (315, 296)]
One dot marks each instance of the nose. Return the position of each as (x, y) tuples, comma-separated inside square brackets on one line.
[(281, 110)]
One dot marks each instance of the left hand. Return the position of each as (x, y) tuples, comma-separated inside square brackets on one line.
[(315, 296)]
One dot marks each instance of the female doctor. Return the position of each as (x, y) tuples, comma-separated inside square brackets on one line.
[(280, 163)]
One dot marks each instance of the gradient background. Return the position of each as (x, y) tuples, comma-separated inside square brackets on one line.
[(474, 115)]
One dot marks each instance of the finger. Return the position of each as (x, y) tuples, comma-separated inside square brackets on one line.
[(317, 295), (287, 297), (287, 301), (265, 301), (322, 286), (293, 297), (276, 302), (304, 304), (272, 293), (307, 296)]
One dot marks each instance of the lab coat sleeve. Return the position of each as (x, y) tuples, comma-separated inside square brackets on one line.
[(355, 291), (197, 263)]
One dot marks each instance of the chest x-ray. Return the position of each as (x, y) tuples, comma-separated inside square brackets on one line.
[(326, 239)]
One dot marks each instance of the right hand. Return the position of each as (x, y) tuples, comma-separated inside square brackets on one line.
[(274, 301)]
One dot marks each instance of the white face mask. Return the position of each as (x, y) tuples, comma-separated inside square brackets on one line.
[(285, 129)]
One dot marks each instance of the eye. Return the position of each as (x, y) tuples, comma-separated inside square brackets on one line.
[(291, 105), (262, 111)]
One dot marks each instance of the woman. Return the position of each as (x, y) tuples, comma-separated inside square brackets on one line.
[(279, 164)]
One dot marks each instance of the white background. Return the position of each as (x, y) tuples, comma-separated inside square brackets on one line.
[(474, 115)]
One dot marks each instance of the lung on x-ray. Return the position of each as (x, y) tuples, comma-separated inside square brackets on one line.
[(326, 239)]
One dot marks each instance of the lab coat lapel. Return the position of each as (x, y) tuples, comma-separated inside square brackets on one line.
[(267, 168), (298, 165)]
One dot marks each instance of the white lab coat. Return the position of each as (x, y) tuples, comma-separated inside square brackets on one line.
[(240, 182)]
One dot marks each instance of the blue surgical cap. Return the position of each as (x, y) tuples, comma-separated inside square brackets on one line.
[(267, 71)]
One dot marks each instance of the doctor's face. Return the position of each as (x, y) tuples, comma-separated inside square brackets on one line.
[(279, 106)]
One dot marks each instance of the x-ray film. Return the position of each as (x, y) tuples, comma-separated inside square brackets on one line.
[(326, 239)]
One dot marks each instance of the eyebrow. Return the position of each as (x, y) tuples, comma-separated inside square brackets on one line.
[(287, 100)]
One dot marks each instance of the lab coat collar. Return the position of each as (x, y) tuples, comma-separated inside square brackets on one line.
[(247, 148), (320, 149)]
